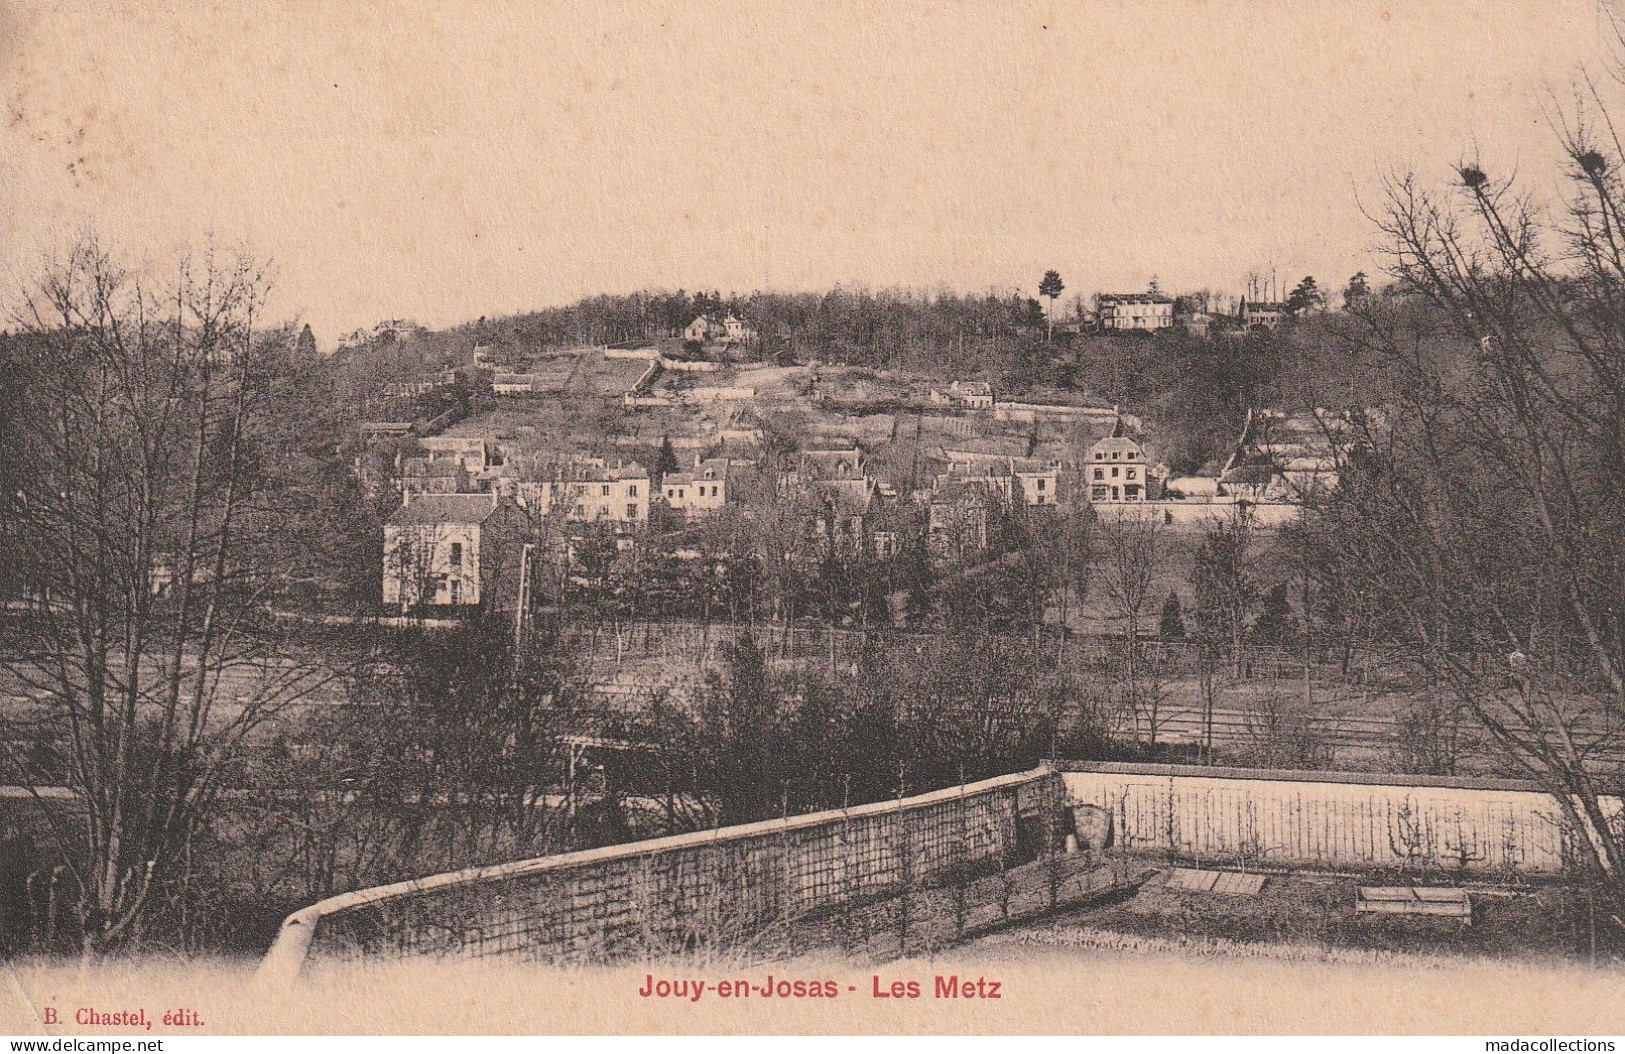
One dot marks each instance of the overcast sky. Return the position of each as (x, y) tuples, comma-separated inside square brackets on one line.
[(446, 161)]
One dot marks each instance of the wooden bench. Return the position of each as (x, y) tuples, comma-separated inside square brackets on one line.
[(1443, 902)]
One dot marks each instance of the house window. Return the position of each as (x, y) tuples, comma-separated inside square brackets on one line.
[(605, 492), (631, 512), (1129, 474), (457, 554), (1116, 454), (1100, 455), (1116, 494), (1100, 473), (631, 490), (456, 591), (1040, 484), (1114, 472), (581, 510)]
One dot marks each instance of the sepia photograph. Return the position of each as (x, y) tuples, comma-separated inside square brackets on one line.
[(567, 517)]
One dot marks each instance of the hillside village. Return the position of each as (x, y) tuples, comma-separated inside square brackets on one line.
[(857, 464)]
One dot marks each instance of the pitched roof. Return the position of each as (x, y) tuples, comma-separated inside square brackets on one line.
[(957, 492), (424, 468), (1115, 442), (986, 448), (844, 502), (1032, 465), (570, 469), (980, 469), (429, 509), (1252, 475), (1135, 298), (454, 443), (832, 464)]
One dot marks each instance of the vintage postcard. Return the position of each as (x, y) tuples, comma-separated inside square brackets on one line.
[(552, 518)]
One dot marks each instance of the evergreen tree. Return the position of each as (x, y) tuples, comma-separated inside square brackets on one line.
[(666, 461), (1172, 626), (1357, 290), (305, 345), (1052, 287), (919, 577), (1274, 623), (741, 718), (1306, 297)]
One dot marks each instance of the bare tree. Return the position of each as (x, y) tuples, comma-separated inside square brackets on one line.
[(1132, 547), (1279, 735), (1225, 585), (139, 503), (1074, 543), (1494, 497)]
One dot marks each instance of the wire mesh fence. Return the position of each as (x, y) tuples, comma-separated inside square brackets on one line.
[(693, 645), (1483, 827), (692, 894)]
